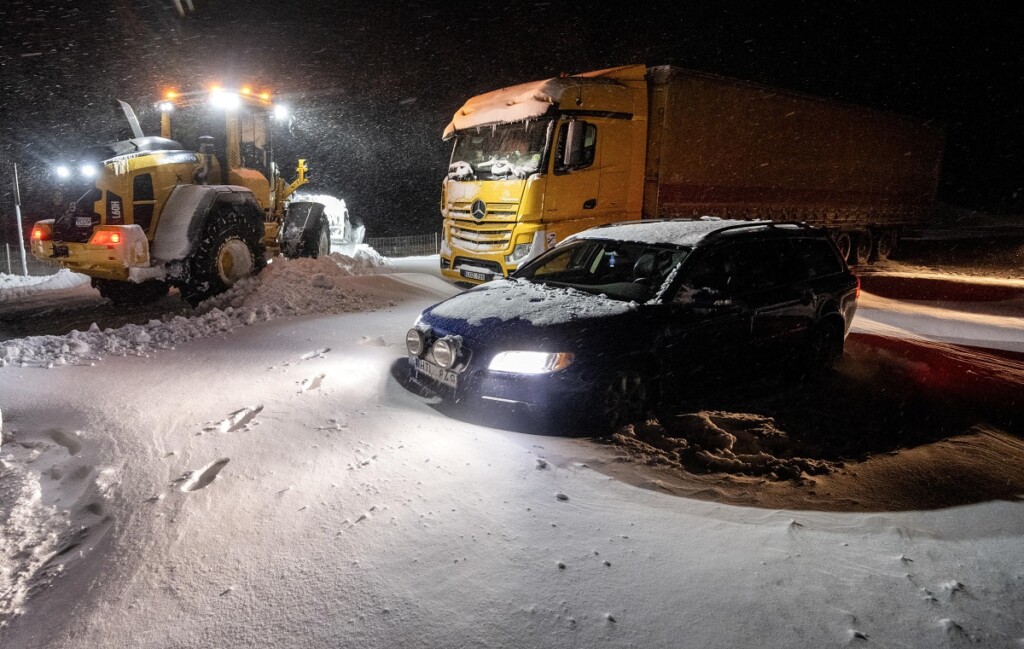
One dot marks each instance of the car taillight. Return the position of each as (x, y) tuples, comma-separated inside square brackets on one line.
[(106, 238)]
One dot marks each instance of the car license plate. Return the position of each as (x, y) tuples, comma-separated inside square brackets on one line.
[(439, 374), (83, 221), (472, 274)]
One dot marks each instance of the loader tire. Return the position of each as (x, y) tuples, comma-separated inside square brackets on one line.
[(129, 293), (306, 232), (230, 249)]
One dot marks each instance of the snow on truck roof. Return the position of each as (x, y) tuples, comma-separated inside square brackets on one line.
[(676, 232), (530, 100)]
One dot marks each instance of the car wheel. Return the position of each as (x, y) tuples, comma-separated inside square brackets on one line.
[(825, 350), (624, 399)]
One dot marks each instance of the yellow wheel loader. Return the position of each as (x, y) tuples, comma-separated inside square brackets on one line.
[(197, 209)]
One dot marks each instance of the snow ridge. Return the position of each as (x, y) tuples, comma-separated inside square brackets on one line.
[(287, 287)]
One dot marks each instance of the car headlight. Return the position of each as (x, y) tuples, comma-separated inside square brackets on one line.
[(414, 341), (445, 351), (531, 362)]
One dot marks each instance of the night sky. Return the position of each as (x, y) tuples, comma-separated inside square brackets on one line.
[(373, 84)]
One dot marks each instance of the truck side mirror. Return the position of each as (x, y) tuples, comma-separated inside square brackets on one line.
[(574, 140)]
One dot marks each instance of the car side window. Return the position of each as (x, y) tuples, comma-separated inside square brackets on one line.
[(761, 264), (711, 269), (817, 258)]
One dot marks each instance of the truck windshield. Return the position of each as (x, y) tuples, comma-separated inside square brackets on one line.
[(621, 270), (499, 152)]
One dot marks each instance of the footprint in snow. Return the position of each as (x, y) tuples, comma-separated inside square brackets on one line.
[(312, 383), (201, 478), (315, 354), (236, 420)]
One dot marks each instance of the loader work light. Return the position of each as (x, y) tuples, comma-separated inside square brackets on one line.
[(87, 171), (166, 106), (63, 171)]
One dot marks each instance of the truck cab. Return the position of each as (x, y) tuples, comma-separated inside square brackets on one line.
[(534, 163)]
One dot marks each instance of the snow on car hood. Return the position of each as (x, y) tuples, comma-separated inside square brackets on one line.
[(537, 304)]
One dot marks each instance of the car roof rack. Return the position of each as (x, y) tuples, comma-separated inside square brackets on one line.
[(770, 225)]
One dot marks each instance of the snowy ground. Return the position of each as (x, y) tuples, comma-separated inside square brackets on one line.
[(254, 475)]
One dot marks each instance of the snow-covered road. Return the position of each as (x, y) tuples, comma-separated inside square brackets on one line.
[(271, 484)]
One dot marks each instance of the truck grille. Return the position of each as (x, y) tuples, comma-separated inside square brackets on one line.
[(492, 233)]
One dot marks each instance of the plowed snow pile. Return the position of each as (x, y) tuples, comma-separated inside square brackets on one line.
[(287, 287), (15, 286)]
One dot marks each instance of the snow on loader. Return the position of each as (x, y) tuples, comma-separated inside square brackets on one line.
[(155, 213)]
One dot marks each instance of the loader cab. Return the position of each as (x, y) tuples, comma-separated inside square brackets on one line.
[(239, 124)]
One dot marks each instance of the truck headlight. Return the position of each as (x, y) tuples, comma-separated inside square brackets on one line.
[(520, 252), (531, 362)]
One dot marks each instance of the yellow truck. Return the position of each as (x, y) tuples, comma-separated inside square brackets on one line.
[(151, 212), (534, 163)]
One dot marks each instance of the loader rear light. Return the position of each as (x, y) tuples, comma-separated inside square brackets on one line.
[(105, 238), (41, 233)]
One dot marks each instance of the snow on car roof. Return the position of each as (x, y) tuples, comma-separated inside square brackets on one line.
[(677, 232)]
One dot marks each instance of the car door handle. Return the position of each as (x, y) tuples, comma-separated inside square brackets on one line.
[(590, 204)]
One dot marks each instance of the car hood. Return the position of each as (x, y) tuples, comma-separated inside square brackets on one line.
[(526, 315)]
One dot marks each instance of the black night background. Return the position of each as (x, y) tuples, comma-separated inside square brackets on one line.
[(372, 85)]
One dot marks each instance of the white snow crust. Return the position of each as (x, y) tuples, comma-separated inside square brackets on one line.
[(255, 476), (17, 286)]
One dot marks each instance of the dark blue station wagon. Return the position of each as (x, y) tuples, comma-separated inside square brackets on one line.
[(617, 318)]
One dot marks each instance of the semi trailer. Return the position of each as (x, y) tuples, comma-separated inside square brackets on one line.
[(533, 163)]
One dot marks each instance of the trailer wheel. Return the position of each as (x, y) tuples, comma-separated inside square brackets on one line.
[(230, 249), (844, 243), (861, 252), (885, 245), (130, 293), (306, 232)]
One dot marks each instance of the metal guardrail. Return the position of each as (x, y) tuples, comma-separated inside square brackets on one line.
[(408, 246)]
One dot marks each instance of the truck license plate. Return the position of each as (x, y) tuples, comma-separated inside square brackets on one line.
[(471, 274), (439, 374), (83, 221)]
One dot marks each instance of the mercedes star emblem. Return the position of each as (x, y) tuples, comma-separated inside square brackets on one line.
[(478, 209)]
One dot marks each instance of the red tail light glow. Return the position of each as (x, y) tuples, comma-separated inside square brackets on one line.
[(40, 234), (106, 238), (858, 289)]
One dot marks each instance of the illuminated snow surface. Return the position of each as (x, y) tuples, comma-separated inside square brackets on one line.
[(255, 476)]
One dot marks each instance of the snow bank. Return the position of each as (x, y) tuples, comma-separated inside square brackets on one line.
[(15, 286), (343, 231), (285, 288)]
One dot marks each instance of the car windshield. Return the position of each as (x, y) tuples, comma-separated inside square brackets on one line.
[(628, 271), (499, 152)]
